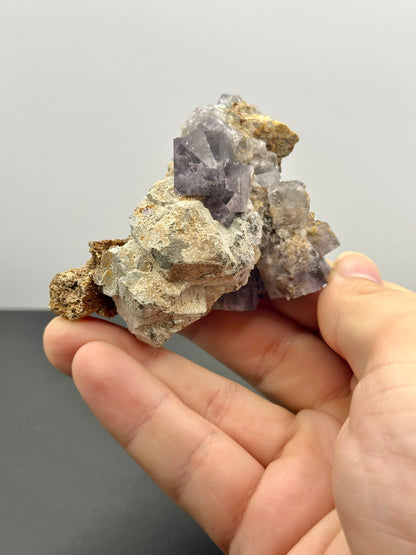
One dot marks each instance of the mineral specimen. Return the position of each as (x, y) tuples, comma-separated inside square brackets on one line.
[(219, 231)]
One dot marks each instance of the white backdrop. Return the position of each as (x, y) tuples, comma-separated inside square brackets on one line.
[(92, 93)]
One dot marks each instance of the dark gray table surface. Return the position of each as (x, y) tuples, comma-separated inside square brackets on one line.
[(66, 487)]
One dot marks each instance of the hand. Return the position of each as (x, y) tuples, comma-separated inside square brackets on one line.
[(330, 469)]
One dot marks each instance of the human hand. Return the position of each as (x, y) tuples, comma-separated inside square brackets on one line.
[(262, 478)]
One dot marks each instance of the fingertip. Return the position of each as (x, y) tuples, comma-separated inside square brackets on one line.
[(93, 370), (55, 344), (355, 265), (114, 386), (361, 318), (90, 365), (63, 338), (346, 307)]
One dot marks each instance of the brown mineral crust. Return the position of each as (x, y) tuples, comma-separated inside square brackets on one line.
[(97, 248), (74, 295), (279, 138), (320, 235)]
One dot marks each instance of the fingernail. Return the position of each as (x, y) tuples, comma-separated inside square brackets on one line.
[(356, 265)]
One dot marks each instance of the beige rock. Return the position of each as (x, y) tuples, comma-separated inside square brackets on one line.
[(177, 263)]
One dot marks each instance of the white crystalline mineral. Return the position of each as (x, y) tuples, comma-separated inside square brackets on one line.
[(220, 231)]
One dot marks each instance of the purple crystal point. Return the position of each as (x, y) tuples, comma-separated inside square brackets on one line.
[(205, 165), (322, 237)]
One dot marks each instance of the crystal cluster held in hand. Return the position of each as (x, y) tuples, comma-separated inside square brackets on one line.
[(219, 231)]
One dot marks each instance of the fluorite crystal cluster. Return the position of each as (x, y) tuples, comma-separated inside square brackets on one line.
[(205, 164), (219, 231)]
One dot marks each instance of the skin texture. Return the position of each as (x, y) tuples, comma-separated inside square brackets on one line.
[(323, 462)]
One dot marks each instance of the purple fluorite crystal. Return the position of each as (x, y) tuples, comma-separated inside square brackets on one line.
[(205, 165), (245, 298)]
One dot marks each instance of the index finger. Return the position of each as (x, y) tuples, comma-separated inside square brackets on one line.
[(199, 466), (282, 359)]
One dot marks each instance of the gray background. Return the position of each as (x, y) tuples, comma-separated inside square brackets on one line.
[(91, 94), (93, 91)]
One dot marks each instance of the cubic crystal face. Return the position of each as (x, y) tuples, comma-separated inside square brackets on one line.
[(205, 165), (220, 231)]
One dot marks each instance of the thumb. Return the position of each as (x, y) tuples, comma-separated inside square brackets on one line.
[(368, 322), (372, 325)]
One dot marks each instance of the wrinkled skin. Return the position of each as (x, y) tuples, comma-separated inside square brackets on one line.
[(323, 463)]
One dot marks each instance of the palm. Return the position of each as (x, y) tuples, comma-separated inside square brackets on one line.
[(251, 472), (296, 491)]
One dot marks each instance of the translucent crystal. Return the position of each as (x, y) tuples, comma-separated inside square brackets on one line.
[(229, 99), (205, 165)]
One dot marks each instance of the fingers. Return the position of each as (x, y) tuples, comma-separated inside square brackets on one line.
[(199, 466), (280, 358), (296, 491), (258, 425), (320, 537), (368, 323), (302, 310), (62, 338)]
